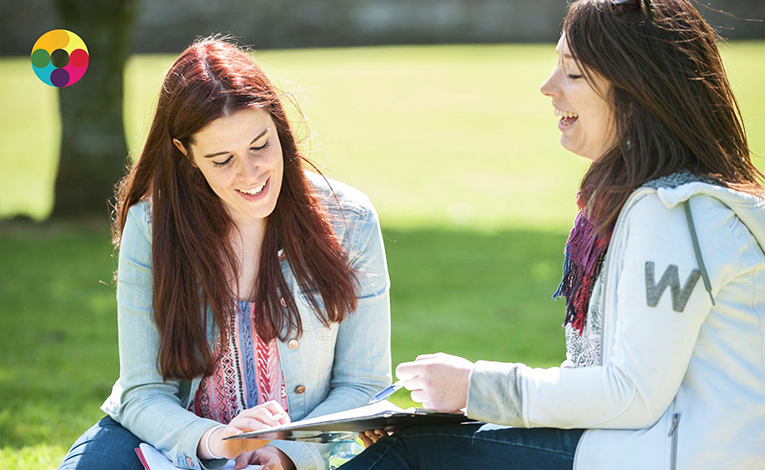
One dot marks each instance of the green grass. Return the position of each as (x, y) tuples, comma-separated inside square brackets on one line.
[(483, 296), (455, 146)]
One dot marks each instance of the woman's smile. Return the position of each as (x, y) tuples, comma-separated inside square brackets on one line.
[(567, 119), (256, 192)]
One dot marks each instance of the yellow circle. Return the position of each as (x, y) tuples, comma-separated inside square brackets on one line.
[(59, 38), (75, 42)]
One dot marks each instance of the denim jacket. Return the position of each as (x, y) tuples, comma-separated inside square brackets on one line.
[(325, 369)]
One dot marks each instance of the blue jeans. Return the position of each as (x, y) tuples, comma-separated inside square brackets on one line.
[(474, 445), (105, 446)]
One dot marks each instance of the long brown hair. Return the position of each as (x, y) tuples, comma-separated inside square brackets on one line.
[(673, 105), (191, 253)]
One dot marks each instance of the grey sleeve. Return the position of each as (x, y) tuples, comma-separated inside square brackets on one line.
[(494, 393)]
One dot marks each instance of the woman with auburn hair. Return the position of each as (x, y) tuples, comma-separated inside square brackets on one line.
[(250, 292), (664, 275)]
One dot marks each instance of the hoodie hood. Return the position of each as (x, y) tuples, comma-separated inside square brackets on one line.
[(748, 208)]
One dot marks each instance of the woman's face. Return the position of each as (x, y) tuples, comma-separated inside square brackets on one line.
[(586, 122), (240, 156)]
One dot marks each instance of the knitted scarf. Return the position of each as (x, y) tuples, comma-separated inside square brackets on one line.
[(585, 251)]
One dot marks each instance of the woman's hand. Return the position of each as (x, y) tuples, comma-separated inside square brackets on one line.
[(262, 416), (269, 457), (438, 381), (370, 437)]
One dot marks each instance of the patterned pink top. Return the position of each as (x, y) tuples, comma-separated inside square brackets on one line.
[(247, 373)]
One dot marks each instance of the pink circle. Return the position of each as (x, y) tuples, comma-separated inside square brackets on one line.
[(78, 58), (75, 74)]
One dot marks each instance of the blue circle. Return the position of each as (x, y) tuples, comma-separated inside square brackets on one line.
[(44, 73)]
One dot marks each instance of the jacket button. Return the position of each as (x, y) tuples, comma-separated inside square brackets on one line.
[(300, 389), (293, 344), (189, 462), (281, 255), (283, 302)]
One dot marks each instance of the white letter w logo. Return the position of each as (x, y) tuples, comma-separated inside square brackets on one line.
[(670, 278)]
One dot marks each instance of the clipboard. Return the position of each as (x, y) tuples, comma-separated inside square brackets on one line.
[(345, 425)]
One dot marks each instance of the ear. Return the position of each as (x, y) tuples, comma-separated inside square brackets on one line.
[(179, 145)]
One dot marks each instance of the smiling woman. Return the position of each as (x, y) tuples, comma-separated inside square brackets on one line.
[(248, 178), (250, 292), (664, 275)]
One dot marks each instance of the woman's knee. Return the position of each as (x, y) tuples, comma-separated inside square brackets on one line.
[(105, 446)]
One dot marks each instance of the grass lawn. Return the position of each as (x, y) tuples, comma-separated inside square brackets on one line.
[(455, 146)]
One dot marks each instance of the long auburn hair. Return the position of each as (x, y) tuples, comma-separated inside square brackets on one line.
[(673, 105), (192, 259)]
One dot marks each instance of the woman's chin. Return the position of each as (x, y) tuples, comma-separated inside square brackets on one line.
[(578, 150)]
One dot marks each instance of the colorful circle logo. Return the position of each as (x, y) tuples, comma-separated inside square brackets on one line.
[(60, 58)]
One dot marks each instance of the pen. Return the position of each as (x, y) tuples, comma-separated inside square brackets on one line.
[(385, 393)]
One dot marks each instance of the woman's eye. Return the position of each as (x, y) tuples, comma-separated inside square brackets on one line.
[(261, 147), (224, 163), (574, 76)]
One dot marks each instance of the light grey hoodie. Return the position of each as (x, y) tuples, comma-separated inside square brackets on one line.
[(681, 383)]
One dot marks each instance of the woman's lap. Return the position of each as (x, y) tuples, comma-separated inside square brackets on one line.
[(471, 446), (105, 446)]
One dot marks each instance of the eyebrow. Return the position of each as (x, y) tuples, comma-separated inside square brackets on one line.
[(251, 142)]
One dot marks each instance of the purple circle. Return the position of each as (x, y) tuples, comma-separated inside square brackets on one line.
[(59, 77)]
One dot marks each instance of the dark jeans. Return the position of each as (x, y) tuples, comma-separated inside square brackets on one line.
[(471, 446), (105, 446)]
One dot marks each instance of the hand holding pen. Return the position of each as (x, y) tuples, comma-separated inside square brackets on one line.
[(438, 381)]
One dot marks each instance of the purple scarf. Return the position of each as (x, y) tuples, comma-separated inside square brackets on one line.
[(585, 251)]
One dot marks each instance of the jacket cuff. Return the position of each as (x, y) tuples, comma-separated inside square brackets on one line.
[(494, 393), (304, 455), (187, 448)]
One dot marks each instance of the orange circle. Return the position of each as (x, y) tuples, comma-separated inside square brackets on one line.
[(44, 43), (59, 38)]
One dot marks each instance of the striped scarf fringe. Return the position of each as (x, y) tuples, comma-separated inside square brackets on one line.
[(585, 251)]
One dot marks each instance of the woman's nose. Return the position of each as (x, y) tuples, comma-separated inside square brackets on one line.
[(550, 86), (248, 166)]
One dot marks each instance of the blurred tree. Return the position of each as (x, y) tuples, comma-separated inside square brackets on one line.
[(93, 148)]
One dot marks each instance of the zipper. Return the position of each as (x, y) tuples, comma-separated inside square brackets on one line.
[(673, 435)]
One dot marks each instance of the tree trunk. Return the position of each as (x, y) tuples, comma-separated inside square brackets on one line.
[(93, 148)]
